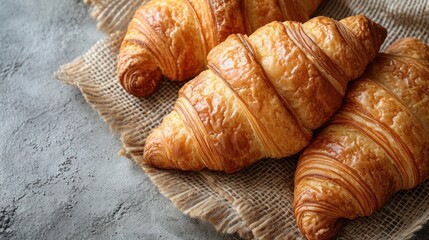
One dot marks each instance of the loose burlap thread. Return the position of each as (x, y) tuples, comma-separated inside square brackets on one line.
[(255, 202)]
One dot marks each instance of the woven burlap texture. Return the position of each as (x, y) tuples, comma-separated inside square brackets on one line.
[(255, 202)]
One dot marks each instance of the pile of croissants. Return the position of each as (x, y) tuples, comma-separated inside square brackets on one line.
[(263, 94)]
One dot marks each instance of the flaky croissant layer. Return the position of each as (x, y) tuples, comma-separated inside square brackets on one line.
[(172, 37), (376, 145), (264, 94)]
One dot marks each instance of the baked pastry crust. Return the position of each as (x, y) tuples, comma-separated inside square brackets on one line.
[(172, 38), (376, 145), (263, 94)]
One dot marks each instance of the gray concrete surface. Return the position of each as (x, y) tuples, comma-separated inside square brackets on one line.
[(60, 175)]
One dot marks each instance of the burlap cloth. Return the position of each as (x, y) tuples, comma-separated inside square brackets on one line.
[(255, 202)]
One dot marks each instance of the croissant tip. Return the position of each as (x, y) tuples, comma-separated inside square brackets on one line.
[(140, 83), (154, 154), (321, 229), (377, 31), (381, 34)]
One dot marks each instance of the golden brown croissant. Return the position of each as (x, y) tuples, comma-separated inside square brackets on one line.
[(376, 145), (172, 37), (264, 94)]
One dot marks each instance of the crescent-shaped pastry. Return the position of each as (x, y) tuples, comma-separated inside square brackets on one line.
[(172, 38), (263, 94), (376, 145)]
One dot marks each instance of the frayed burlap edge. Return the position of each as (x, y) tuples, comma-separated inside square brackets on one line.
[(112, 15)]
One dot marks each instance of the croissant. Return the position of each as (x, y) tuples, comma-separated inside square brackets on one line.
[(264, 94), (172, 37), (376, 145)]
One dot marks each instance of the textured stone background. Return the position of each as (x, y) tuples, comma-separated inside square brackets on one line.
[(60, 175)]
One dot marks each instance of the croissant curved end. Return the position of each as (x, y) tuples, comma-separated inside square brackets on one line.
[(318, 227), (139, 80), (380, 34), (154, 155), (377, 33)]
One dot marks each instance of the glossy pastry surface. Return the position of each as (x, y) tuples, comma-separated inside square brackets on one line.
[(263, 94), (376, 145), (172, 38)]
